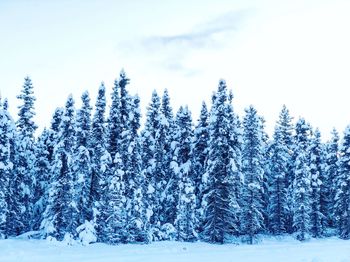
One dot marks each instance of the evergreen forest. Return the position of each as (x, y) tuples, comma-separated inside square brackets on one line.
[(96, 174)]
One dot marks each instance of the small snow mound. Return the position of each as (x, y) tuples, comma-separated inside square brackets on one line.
[(30, 235), (87, 233), (51, 239), (68, 240)]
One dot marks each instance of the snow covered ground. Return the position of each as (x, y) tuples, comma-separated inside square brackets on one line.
[(270, 250)]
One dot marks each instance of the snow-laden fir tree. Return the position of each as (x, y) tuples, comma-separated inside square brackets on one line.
[(42, 166), (46, 144), (166, 108), (150, 166), (54, 129), (128, 145), (114, 123), (342, 193), (168, 184), (330, 177), (129, 150), (25, 123), (279, 161), (100, 161), (115, 230), (223, 171), (60, 216), (156, 157), (317, 218), (236, 145), (265, 165), (82, 160), (84, 121), (252, 219), (287, 130), (99, 208), (302, 182), (185, 221), (199, 153), (7, 130), (13, 217), (124, 110), (167, 112), (164, 153), (25, 155), (113, 199), (135, 188), (4, 172)]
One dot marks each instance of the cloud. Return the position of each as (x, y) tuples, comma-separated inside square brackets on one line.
[(202, 36), (171, 51)]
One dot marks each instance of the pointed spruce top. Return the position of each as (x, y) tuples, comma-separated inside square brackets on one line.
[(26, 112)]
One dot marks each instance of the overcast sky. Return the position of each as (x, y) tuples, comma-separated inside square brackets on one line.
[(269, 52)]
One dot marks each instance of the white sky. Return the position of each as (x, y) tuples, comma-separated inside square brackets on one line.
[(270, 53)]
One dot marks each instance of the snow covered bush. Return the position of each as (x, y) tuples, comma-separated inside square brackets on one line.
[(87, 233)]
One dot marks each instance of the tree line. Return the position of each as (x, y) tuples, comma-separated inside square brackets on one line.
[(98, 176)]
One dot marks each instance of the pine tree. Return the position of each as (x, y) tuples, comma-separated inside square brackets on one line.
[(199, 153), (302, 183), (265, 166), (26, 112), (151, 165), (185, 221), (166, 108), (6, 170), (42, 178), (134, 185), (25, 155), (115, 228), (223, 170), (114, 200), (235, 136), (252, 219), (330, 177), (100, 159), (126, 146), (286, 131), (129, 150), (279, 161), (46, 145), (124, 110), (317, 218), (169, 183), (60, 217), (114, 122), (84, 121), (82, 160), (54, 130), (164, 143), (342, 194), (13, 217)]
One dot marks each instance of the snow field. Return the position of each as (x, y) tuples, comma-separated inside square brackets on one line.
[(269, 250)]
